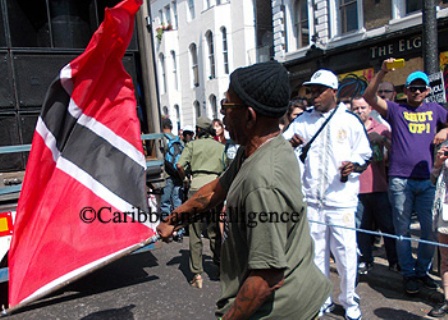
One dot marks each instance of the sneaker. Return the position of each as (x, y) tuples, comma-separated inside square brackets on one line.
[(364, 267), (411, 285), (326, 309), (428, 282), (439, 311)]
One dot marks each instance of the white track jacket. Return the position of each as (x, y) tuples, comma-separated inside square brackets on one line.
[(344, 138)]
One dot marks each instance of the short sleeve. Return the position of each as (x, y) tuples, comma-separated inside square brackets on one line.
[(229, 175), (266, 235), (289, 133), (185, 157)]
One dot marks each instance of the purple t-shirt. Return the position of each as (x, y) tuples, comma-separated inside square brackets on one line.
[(413, 130)]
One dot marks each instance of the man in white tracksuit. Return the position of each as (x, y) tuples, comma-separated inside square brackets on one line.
[(339, 153)]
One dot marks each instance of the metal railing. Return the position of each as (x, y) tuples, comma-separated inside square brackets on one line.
[(10, 189)]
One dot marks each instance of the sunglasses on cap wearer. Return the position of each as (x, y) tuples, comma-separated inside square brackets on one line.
[(414, 89), (227, 105)]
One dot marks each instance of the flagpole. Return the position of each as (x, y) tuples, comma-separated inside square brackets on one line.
[(9, 311)]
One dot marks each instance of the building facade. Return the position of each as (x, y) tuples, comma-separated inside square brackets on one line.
[(198, 43), (353, 37)]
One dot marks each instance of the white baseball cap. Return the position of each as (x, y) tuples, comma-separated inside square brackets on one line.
[(188, 128), (323, 77)]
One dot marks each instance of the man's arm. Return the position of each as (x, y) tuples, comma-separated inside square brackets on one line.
[(206, 198), (370, 95), (181, 170), (255, 290)]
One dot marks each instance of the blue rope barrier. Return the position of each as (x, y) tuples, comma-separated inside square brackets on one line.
[(376, 233)]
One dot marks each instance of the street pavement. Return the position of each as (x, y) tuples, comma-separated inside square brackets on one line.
[(154, 285)]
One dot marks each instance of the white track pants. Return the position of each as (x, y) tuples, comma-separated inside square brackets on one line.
[(342, 243)]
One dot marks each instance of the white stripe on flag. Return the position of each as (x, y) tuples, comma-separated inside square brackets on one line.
[(47, 136), (97, 127), (88, 181)]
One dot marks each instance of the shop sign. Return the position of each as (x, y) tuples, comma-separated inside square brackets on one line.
[(397, 48)]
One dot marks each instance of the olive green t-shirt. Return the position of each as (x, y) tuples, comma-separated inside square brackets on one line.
[(266, 227), (205, 158)]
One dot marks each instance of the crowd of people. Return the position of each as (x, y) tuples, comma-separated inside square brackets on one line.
[(335, 168)]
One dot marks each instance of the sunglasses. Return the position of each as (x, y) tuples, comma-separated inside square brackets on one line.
[(226, 105), (419, 88), (385, 91)]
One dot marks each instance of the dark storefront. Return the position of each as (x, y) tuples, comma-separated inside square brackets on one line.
[(364, 58), (37, 38)]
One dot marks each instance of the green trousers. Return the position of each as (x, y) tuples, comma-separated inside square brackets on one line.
[(195, 229)]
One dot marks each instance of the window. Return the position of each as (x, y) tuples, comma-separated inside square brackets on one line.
[(194, 65), (191, 13), (162, 17), (176, 81), (177, 110), (176, 18), (167, 15), (165, 111), (348, 13), (163, 88), (197, 108), (211, 55), (301, 28), (413, 6), (225, 52), (214, 107), (207, 4)]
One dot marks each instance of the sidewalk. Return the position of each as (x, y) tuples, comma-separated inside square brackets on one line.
[(382, 295)]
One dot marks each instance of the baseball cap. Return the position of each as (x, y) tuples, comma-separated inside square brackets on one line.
[(324, 78), (417, 75), (188, 128)]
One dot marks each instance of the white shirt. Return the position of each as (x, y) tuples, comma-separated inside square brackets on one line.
[(343, 139)]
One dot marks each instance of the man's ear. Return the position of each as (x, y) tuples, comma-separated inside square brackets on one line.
[(251, 117)]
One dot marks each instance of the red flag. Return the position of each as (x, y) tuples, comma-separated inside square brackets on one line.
[(85, 177)]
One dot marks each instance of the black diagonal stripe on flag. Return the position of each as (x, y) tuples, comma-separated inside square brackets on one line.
[(55, 113), (88, 148), (86, 155), (85, 149)]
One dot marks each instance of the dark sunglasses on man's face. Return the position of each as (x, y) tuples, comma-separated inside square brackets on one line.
[(385, 91), (419, 88), (227, 105)]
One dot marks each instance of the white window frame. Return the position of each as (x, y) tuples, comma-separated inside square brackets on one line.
[(225, 49), (177, 111), (175, 69), (191, 10), (167, 14), (197, 108), (211, 54), (194, 65), (297, 19), (164, 88), (175, 14), (335, 23)]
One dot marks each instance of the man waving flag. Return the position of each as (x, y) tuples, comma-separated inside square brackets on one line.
[(85, 179)]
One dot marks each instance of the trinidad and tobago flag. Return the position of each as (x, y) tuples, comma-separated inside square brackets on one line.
[(85, 177)]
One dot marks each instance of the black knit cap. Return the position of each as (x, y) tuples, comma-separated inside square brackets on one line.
[(264, 87)]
